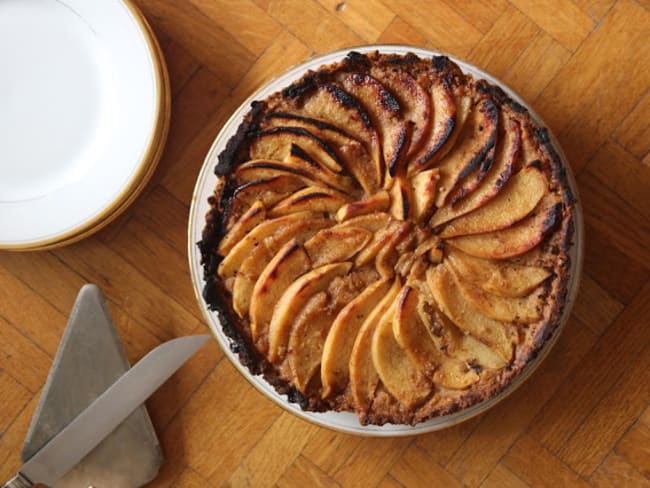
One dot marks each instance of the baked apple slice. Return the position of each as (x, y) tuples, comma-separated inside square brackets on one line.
[(269, 191), (386, 115), (342, 334), (363, 375), (498, 335), (414, 100), (399, 374), (498, 277), (312, 199), (254, 216), (476, 139), (507, 154), (276, 143), (401, 198), (392, 233), (378, 202), (306, 340), (265, 169), (293, 300), (336, 244), (424, 187), (334, 105), (517, 199), (352, 152), (517, 239), (232, 261), (505, 309), (290, 262), (253, 266)]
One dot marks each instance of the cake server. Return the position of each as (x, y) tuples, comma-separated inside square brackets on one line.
[(103, 415)]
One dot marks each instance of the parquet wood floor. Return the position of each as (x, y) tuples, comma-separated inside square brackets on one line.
[(583, 419)]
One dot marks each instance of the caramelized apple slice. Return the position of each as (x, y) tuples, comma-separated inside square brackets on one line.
[(299, 158), (290, 262), (253, 266), (353, 153), (387, 255), (268, 191), (363, 375), (392, 233), (505, 309), (507, 153), (401, 198), (312, 199), (379, 202), (233, 260), (247, 275), (475, 141), (293, 300), (341, 109), (414, 100), (472, 181), (515, 240), (254, 216), (498, 335), (336, 244), (372, 222), (276, 144), (474, 352), (412, 335), (517, 199), (424, 184), (386, 115), (341, 336), (306, 340), (498, 277), (401, 376)]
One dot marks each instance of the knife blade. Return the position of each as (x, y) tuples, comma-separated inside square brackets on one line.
[(103, 415)]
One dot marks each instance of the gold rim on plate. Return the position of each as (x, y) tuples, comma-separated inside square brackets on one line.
[(148, 163)]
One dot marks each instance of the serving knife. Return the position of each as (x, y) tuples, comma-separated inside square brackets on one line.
[(103, 415)]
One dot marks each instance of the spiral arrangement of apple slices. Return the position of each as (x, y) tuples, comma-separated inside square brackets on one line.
[(383, 238)]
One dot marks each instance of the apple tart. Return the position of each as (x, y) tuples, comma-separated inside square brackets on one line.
[(390, 237)]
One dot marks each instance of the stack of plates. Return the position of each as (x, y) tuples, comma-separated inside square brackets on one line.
[(85, 106)]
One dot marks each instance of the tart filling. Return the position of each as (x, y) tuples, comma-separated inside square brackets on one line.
[(388, 236)]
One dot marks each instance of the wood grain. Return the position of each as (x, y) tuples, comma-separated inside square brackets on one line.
[(583, 419)]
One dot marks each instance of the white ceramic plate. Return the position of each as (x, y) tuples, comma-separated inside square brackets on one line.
[(80, 97), (344, 421)]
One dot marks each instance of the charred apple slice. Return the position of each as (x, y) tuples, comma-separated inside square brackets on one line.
[(386, 115), (515, 240), (507, 154), (517, 199), (293, 300), (379, 202), (353, 153), (233, 260), (334, 105), (300, 159), (498, 277), (425, 185), (276, 143), (336, 244), (341, 336), (254, 216), (253, 266), (504, 309), (414, 100), (312, 199), (498, 335), (269, 191), (290, 262), (363, 375), (399, 374)]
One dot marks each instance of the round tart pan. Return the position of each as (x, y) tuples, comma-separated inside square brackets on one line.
[(347, 421)]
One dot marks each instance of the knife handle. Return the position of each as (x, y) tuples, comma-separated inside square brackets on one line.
[(18, 481)]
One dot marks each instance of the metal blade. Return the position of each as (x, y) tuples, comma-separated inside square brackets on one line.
[(102, 416)]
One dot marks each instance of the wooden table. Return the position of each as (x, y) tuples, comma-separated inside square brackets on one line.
[(582, 419)]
